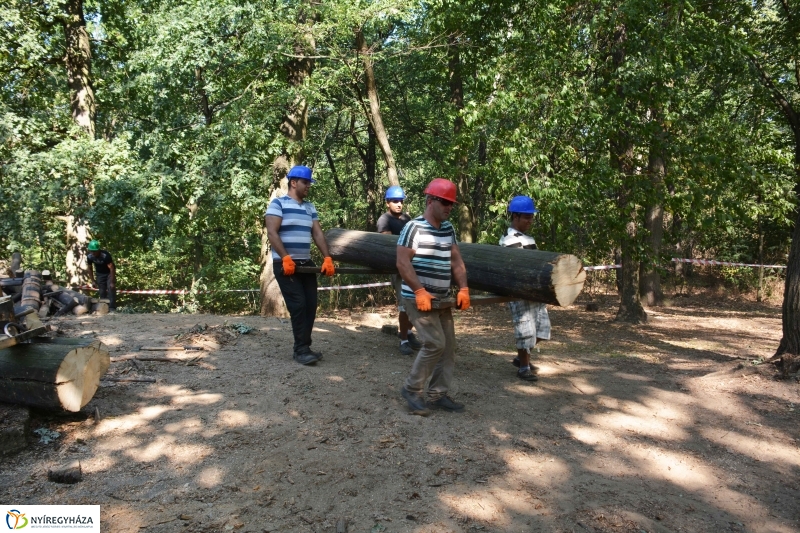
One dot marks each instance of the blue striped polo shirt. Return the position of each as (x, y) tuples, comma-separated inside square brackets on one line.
[(431, 261), (295, 231)]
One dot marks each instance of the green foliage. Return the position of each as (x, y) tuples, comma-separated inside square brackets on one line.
[(190, 96)]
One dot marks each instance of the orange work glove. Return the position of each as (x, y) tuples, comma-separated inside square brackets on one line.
[(327, 267), (288, 265), (462, 298), (423, 298)]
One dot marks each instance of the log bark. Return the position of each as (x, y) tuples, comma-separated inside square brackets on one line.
[(535, 275), (82, 298), (31, 289), (67, 301), (52, 375)]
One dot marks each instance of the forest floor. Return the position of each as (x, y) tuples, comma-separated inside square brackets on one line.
[(663, 427)]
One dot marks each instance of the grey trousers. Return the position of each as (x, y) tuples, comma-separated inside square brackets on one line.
[(437, 357)]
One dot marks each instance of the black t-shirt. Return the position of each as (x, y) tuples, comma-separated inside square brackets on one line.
[(387, 222), (101, 262)]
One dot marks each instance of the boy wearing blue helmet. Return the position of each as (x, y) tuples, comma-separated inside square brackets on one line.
[(531, 321), (392, 222)]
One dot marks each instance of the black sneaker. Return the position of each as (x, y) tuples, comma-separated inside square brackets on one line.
[(405, 348), (527, 375), (446, 403), (415, 403), (414, 341), (305, 358), (534, 368), (309, 351)]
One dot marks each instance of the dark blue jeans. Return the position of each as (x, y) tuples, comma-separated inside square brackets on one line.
[(102, 285), (300, 294)]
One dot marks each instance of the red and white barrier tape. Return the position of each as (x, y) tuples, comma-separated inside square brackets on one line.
[(602, 267), (712, 262), (364, 285), (706, 262)]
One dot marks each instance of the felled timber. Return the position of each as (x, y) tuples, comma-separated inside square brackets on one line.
[(82, 298), (52, 376), (535, 275), (31, 289)]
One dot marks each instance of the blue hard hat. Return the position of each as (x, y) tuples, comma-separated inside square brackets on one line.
[(522, 204), (395, 192), (301, 172)]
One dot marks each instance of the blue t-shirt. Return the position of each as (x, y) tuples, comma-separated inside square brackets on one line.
[(296, 222), (431, 260)]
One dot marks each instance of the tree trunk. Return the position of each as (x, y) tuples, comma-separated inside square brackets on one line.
[(374, 114), (293, 126), (78, 237), (535, 275), (650, 281), (370, 180), (467, 226), (78, 60), (790, 313), (621, 158), (759, 293), (16, 262), (52, 375)]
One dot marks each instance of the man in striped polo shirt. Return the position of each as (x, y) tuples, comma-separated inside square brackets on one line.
[(427, 254), (291, 224)]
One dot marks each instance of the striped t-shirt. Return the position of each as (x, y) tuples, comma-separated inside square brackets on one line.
[(517, 239), (295, 231), (431, 261)]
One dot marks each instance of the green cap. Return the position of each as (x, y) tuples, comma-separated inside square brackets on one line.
[(94, 246)]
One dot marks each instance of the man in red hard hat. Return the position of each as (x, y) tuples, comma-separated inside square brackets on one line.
[(427, 253)]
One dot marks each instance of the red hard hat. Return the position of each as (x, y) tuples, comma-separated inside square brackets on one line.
[(442, 188)]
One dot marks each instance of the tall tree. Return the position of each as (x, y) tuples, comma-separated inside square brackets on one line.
[(294, 127), (774, 53)]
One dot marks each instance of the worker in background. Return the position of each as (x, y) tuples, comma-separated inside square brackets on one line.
[(392, 222), (427, 254), (531, 321), (291, 225), (105, 275)]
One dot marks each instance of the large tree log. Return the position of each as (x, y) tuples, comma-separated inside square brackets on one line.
[(52, 375), (32, 289), (535, 275)]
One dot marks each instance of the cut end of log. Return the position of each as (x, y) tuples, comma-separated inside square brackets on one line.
[(79, 375), (568, 278)]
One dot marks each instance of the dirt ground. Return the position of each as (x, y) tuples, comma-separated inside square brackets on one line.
[(663, 427)]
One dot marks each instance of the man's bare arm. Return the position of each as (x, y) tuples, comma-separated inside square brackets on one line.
[(319, 238), (273, 225), (458, 267), (404, 256)]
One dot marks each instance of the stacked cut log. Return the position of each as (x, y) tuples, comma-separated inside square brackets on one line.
[(535, 275), (37, 370), (32, 289)]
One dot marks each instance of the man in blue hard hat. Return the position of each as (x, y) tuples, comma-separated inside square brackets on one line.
[(531, 321), (292, 223), (392, 222)]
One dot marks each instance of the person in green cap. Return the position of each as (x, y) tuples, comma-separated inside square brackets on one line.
[(102, 262)]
